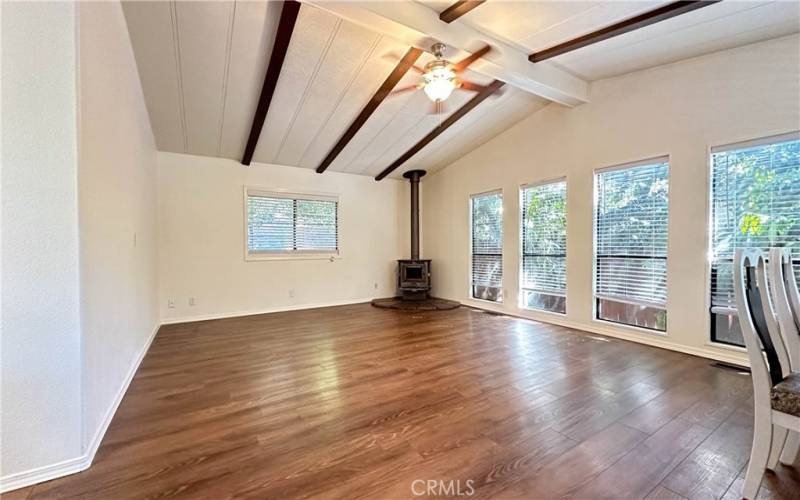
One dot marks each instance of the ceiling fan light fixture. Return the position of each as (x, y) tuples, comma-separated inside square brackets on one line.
[(439, 83)]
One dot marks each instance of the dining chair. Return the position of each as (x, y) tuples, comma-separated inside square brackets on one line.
[(776, 393), (783, 284)]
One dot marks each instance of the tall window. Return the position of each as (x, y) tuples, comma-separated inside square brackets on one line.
[(631, 244), (280, 224), (544, 247), (487, 246), (755, 203)]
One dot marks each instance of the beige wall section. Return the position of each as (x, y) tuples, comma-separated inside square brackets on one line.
[(40, 361), (201, 239), (680, 110), (117, 201)]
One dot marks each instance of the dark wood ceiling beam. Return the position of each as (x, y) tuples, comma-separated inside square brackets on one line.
[(386, 87), (463, 110), (458, 9), (654, 16), (283, 36)]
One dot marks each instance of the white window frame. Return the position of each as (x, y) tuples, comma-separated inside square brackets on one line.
[(716, 147), (520, 239), (469, 242), (292, 195), (662, 158)]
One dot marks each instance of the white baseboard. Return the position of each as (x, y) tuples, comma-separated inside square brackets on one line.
[(656, 340), (97, 438), (41, 474), (82, 462), (253, 312)]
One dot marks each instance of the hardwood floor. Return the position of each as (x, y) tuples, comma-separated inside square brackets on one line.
[(359, 402)]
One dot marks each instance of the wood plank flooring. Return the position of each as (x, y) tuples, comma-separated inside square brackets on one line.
[(359, 402)]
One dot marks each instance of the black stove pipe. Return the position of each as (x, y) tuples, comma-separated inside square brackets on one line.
[(414, 176)]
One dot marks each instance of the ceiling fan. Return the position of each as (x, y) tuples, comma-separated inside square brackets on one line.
[(440, 77)]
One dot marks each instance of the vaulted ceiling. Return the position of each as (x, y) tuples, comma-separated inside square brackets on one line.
[(202, 65), (536, 25)]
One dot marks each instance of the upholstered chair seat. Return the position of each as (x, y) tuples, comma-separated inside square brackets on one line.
[(785, 396)]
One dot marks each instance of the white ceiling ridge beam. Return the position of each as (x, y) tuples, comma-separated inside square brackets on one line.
[(419, 26)]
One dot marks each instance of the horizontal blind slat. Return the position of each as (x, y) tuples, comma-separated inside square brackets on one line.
[(487, 240), (755, 194), (285, 225), (631, 223), (544, 235)]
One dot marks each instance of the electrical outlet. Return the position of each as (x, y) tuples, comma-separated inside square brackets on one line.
[(134, 239), (191, 301), (171, 304), (291, 293), (376, 285)]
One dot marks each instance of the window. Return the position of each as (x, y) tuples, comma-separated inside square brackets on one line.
[(631, 244), (544, 247), (487, 246), (755, 202), (281, 224)]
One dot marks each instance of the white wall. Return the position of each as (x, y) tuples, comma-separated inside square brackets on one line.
[(40, 406), (680, 110), (117, 200), (201, 239), (79, 225)]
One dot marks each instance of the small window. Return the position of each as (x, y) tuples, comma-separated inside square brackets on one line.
[(281, 224), (755, 203), (487, 246), (543, 280), (631, 244)]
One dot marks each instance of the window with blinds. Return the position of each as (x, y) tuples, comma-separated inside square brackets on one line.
[(755, 203), (631, 212), (487, 246), (280, 224), (544, 246)]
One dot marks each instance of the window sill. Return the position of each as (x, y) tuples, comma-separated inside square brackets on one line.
[(630, 328), (543, 311), (486, 301), (722, 345), (292, 256)]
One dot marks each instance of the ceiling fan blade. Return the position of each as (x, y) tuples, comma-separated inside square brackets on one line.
[(402, 90), (474, 87), (394, 59), (464, 63)]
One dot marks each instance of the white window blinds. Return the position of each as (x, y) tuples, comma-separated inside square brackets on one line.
[(755, 203), (279, 223), (544, 246), (631, 238), (487, 246)]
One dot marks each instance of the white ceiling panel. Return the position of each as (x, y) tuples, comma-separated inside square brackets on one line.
[(495, 115), (719, 27), (254, 28), (313, 36), (152, 33), (204, 34), (536, 25), (351, 48), (369, 78)]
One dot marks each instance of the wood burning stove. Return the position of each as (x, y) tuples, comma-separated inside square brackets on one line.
[(414, 278), (414, 274)]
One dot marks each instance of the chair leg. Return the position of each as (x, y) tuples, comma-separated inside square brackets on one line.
[(791, 451), (778, 440), (762, 441)]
